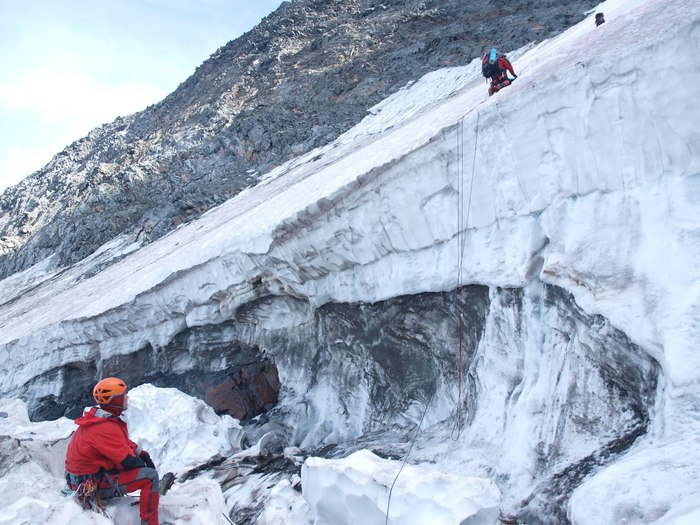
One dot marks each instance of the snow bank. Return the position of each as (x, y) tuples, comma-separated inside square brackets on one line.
[(356, 490), (686, 512), (32, 459), (654, 481)]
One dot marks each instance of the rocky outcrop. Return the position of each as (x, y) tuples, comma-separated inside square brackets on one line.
[(305, 74)]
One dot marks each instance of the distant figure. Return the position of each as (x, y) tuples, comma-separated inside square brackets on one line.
[(599, 19), (495, 66), (101, 455)]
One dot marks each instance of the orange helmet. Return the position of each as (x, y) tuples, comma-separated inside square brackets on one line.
[(106, 390)]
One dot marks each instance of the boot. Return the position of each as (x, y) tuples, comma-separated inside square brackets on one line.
[(165, 483)]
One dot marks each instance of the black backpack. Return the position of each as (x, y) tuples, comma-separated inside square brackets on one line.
[(490, 70)]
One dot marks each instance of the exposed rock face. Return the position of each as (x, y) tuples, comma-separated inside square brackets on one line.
[(247, 390), (306, 74), (209, 362)]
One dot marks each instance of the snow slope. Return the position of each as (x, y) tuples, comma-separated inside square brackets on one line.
[(586, 175)]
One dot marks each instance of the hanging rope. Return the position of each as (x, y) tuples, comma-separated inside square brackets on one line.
[(405, 459), (460, 252), (461, 242), (461, 226)]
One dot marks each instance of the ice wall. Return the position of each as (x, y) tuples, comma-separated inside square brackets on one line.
[(586, 176)]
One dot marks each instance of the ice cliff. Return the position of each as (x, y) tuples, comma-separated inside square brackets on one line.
[(556, 226)]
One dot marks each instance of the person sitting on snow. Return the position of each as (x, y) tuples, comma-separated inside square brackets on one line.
[(495, 66), (100, 450)]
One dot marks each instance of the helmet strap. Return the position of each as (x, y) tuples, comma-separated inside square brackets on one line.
[(115, 410)]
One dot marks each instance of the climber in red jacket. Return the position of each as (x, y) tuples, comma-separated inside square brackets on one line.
[(496, 66), (101, 451)]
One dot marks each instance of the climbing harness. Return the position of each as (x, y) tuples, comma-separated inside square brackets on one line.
[(114, 484), (461, 243), (86, 493)]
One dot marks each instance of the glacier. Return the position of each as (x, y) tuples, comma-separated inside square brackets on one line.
[(521, 270)]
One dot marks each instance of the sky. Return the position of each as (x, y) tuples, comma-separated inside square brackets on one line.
[(69, 66)]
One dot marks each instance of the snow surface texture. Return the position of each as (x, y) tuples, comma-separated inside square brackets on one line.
[(587, 176), (356, 490)]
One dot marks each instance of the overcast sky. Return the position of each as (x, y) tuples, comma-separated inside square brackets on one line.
[(68, 66)]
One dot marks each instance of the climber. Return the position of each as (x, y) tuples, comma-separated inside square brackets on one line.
[(100, 451), (599, 19), (495, 66)]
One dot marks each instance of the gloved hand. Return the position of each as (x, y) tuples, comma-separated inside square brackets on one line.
[(146, 457)]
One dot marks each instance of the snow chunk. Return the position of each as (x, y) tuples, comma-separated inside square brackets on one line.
[(196, 502), (356, 490), (261, 448), (284, 506), (180, 432), (14, 421)]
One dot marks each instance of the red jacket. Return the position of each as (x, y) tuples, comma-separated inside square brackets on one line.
[(101, 441)]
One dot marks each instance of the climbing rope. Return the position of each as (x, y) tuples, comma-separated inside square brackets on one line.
[(461, 226), (408, 453), (461, 242), (227, 518), (460, 258)]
